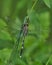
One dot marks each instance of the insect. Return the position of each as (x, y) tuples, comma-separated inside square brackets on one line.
[(24, 32)]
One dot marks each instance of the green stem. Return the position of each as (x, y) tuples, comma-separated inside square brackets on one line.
[(33, 6), (48, 60)]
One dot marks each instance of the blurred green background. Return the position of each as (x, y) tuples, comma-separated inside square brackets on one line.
[(38, 47)]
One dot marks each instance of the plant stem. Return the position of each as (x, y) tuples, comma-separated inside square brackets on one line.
[(33, 6), (48, 60)]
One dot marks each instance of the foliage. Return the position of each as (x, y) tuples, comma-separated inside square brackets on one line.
[(38, 45)]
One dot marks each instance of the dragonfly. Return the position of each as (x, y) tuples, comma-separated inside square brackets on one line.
[(24, 32)]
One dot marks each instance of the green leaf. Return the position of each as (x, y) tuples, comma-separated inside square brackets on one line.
[(42, 54), (2, 24), (47, 2), (4, 56), (3, 30), (4, 35), (44, 19)]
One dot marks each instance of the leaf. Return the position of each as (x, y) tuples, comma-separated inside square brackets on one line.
[(5, 38), (44, 19), (43, 54), (3, 30), (4, 35), (47, 2), (2, 24), (40, 7), (4, 55)]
